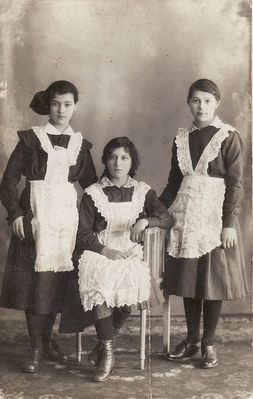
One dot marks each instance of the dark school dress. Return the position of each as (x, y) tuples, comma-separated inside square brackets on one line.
[(91, 223), (23, 288), (219, 274)]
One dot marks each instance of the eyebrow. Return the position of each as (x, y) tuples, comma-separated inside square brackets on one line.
[(64, 102), (198, 98)]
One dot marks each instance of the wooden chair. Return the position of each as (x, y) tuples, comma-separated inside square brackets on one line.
[(154, 255)]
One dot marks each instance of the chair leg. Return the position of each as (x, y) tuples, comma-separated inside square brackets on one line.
[(79, 347), (166, 325), (143, 321)]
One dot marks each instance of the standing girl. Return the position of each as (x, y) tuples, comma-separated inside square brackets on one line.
[(205, 263), (45, 218)]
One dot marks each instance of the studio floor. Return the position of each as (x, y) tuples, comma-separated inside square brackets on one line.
[(232, 379)]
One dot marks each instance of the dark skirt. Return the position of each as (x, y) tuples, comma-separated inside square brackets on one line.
[(25, 289), (218, 275)]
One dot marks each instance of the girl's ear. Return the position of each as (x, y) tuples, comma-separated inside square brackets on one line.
[(217, 105), (76, 106)]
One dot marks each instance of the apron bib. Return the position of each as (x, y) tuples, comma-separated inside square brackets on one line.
[(116, 282), (54, 206), (197, 209)]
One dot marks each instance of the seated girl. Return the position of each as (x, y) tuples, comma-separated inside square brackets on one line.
[(112, 275)]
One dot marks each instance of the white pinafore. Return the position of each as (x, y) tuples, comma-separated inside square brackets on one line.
[(54, 205), (197, 209), (116, 282)]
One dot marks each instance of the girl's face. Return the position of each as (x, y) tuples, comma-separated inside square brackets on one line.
[(203, 106), (62, 107), (119, 164)]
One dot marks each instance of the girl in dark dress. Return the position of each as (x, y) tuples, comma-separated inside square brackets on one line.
[(205, 263), (44, 219), (112, 275)]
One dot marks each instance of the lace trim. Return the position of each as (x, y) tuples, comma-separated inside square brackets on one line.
[(100, 200), (105, 182), (138, 200), (103, 205), (217, 122), (212, 149), (43, 138), (209, 154), (73, 149), (197, 214), (118, 283), (183, 156)]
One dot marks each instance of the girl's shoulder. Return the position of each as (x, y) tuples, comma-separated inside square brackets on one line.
[(86, 145), (29, 138), (143, 185)]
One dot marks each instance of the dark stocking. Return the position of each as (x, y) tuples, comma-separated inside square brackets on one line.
[(193, 314), (104, 328), (211, 313), (34, 326), (47, 326), (120, 315)]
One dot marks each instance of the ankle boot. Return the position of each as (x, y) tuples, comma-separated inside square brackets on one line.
[(95, 356), (105, 368), (52, 351), (32, 365), (209, 356)]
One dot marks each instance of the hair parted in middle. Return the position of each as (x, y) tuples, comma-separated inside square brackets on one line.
[(128, 146)]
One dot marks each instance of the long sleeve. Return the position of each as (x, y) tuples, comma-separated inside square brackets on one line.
[(174, 181), (90, 222), (232, 154), (8, 189), (156, 212), (84, 170)]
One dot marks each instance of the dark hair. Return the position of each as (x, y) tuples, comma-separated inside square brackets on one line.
[(204, 85), (128, 147), (62, 87), (41, 100)]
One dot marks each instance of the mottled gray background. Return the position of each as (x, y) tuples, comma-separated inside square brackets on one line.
[(133, 61)]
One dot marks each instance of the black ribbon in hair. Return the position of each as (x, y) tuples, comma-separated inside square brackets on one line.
[(40, 103)]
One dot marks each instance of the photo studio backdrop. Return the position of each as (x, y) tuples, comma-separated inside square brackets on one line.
[(133, 62)]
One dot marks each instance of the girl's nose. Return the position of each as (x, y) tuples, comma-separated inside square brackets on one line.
[(61, 108)]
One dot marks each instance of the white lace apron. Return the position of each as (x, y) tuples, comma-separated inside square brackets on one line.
[(54, 206), (197, 209), (116, 282)]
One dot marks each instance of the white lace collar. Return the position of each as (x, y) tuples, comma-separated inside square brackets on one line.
[(106, 182), (50, 129), (216, 122)]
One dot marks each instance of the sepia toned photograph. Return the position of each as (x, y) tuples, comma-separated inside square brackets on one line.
[(126, 199)]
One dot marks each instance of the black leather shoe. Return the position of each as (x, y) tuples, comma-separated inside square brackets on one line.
[(184, 350), (52, 352), (94, 357), (106, 365), (32, 365), (209, 356)]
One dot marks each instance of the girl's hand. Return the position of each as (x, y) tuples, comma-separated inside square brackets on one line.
[(113, 254), (18, 228), (228, 237), (138, 230)]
